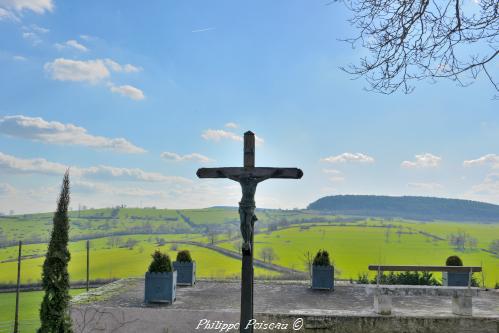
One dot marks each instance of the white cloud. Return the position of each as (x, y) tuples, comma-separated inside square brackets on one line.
[(37, 165), (131, 174), (349, 157), (6, 189), (426, 186), (332, 171), (231, 125), (71, 44), (37, 29), (88, 187), (203, 29), (490, 185), (85, 70), (19, 58), (92, 187), (138, 192), (217, 135), (426, 160), (128, 91), (55, 132), (487, 190), (6, 15), (334, 175), (189, 157), (14, 164), (32, 33), (87, 37), (37, 6), (32, 37), (115, 67), (489, 159), (91, 71)]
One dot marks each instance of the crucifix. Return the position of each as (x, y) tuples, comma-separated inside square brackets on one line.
[(248, 176)]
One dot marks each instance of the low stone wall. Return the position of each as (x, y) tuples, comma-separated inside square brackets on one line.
[(163, 320), (392, 324)]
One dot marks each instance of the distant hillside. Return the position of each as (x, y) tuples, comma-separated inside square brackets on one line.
[(417, 208)]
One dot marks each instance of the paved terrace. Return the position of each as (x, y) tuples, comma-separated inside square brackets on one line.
[(119, 307)]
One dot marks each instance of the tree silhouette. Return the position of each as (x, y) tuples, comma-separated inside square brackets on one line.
[(54, 311)]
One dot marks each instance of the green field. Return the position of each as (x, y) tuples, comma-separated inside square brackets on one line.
[(29, 305), (353, 248), (353, 245), (114, 262)]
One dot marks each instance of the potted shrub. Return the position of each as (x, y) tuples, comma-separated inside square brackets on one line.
[(457, 279), (322, 271), (186, 268), (161, 280)]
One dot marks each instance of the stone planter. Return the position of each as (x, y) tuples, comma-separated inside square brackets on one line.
[(323, 277), (455, 279), (160, 287), (186, 272)]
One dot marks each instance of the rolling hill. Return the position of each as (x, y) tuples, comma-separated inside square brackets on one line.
[(408, 207)]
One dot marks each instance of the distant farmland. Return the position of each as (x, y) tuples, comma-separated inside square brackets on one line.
[(123, 239)]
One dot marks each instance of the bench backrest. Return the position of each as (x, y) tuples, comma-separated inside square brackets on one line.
[(413, 268)]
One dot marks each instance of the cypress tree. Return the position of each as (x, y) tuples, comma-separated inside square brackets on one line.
[(54, 311)]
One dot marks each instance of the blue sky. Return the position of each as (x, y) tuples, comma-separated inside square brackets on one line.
[(135, 97)]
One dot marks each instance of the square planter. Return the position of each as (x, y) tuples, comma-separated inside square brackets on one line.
[(322, 277), (160, 287), (455, 279), (186, 272)]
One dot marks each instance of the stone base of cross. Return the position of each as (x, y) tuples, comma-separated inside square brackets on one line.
[(248, 176)]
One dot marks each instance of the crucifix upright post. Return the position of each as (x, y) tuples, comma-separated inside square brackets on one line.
[(248, 176)]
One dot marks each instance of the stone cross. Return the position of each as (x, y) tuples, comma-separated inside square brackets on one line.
[(248, 176)]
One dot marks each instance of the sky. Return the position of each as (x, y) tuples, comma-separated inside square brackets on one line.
[(133, 97)]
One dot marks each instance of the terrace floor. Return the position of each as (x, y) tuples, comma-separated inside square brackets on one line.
[(220, 300)]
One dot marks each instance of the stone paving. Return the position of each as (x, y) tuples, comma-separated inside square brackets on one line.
[(220, 300)]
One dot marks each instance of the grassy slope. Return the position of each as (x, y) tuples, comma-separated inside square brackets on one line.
[(29, 304), (97, 221), (118, 262)]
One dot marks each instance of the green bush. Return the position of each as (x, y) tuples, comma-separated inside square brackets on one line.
[(407, 278), (453, 261), (322, 258), (184, 256), (363, 278), (475, 282), (160, 263)]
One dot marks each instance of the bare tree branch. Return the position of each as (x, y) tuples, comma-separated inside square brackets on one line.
[(412, 40)]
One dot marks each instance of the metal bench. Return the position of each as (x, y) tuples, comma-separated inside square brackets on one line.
[(461, 296)]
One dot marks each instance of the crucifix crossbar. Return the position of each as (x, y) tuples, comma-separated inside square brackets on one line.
[(248, 176)]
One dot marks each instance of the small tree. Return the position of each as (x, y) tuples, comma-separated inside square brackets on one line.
[(130, 243), (268, 254), (54, 311), (161, 263), (494, 247), (307, 260), (453, 261), (184, 256), (322, 258), (212, 235)]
